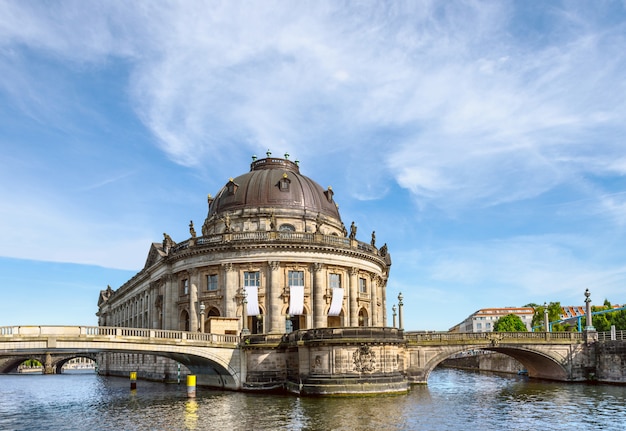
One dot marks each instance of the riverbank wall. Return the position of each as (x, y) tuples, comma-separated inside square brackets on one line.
[(611, 362)]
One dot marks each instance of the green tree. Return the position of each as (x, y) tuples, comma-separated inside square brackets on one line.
[(554, 314), (509, 323)]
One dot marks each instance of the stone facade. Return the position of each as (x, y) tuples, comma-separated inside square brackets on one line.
[(273, 257)]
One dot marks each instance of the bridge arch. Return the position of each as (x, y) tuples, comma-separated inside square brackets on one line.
[(540, 362)]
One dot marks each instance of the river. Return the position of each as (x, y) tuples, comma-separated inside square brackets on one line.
[(453, 400)]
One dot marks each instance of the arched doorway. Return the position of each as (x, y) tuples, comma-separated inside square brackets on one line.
[(255, 323), (184, 321)]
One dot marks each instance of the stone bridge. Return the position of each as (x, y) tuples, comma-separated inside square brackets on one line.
[(320, 355), (564, 356), (214, 358)]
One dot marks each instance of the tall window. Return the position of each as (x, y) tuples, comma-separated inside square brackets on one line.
[(211, 282), (184, 286), (296, 278), (362, 285), (335, 280), (252, 278)]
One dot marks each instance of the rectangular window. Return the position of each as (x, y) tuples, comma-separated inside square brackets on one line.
[(335, 280), (252, 278), (362, 285), (211, 282), (184, 286), (296, 278)]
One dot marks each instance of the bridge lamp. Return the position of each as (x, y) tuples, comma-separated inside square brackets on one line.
[(202, 308), (546, 320)]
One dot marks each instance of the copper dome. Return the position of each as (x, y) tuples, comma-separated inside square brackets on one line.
[(274, 184)]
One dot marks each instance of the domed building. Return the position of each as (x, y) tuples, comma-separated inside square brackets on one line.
[(273, 256)]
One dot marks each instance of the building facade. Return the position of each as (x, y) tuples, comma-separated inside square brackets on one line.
[(272, 256), (484, 319)]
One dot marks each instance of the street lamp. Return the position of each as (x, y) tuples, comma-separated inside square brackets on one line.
[(202, 316), (400, 304), (546, 320), (589, 325), (244, 313), (393, 309)]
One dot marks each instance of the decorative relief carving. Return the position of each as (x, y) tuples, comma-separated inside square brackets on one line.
[(274, 265), (364, 359), (317, 267), (228, 267)]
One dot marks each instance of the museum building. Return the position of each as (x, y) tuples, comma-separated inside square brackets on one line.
[(273, 257)]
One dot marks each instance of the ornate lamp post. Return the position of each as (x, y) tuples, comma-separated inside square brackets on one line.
[(202, 308), (244, 313), (589, 325), (546, 320), (400, 304), (393, 309)]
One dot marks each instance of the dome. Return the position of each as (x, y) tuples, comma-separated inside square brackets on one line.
[(274, 188)]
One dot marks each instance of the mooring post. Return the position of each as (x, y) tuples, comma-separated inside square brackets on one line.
[(133, 380), (191, 386)]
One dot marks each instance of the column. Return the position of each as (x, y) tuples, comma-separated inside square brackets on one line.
[(374, 298), (354, 293), (319, 286), (230, 289), (194, 282), (274, 317), (170, 310)]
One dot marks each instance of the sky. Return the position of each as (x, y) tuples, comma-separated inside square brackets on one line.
[(484, 142)]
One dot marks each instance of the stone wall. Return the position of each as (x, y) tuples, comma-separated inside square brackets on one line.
[(148, 367), (611, 362), (492, 361)]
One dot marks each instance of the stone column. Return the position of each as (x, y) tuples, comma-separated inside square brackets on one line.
[(170, 310), (354, 293), (319, 287), (374, 299), (400, 305), (194, 282), (230, 289), (274, 318)]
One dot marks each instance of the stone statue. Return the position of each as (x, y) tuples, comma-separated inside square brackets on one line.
[(344, 230), (168, 243), (192, 231), (383, 250), (226, 220), (318, 223), (272, 222), (373, 242), (352, 231)]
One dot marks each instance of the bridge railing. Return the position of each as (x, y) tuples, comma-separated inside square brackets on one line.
[(458, 337), (606, 336), (114, 331)]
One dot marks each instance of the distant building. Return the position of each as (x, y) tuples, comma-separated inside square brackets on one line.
[(484, 319)]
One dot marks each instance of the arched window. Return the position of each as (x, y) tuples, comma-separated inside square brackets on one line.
[(287, 228)]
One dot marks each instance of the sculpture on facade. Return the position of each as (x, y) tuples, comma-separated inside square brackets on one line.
[(192, 231), (352, 231)]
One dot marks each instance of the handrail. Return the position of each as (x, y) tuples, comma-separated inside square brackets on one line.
[(115, 331), (456, 337)]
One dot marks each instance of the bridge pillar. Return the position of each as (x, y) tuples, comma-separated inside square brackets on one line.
[(48, 368)]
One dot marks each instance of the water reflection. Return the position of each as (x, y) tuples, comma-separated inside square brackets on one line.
[(452, 400)]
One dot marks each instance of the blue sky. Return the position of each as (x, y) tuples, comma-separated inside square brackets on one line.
[(483, 141)]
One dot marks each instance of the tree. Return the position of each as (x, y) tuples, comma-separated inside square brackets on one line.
[(509, 323), (554, 314)]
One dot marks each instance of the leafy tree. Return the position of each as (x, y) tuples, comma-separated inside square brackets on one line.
[(554, 314), (509, 323)]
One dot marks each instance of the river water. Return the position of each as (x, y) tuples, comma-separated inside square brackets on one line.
[(453, 400)]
